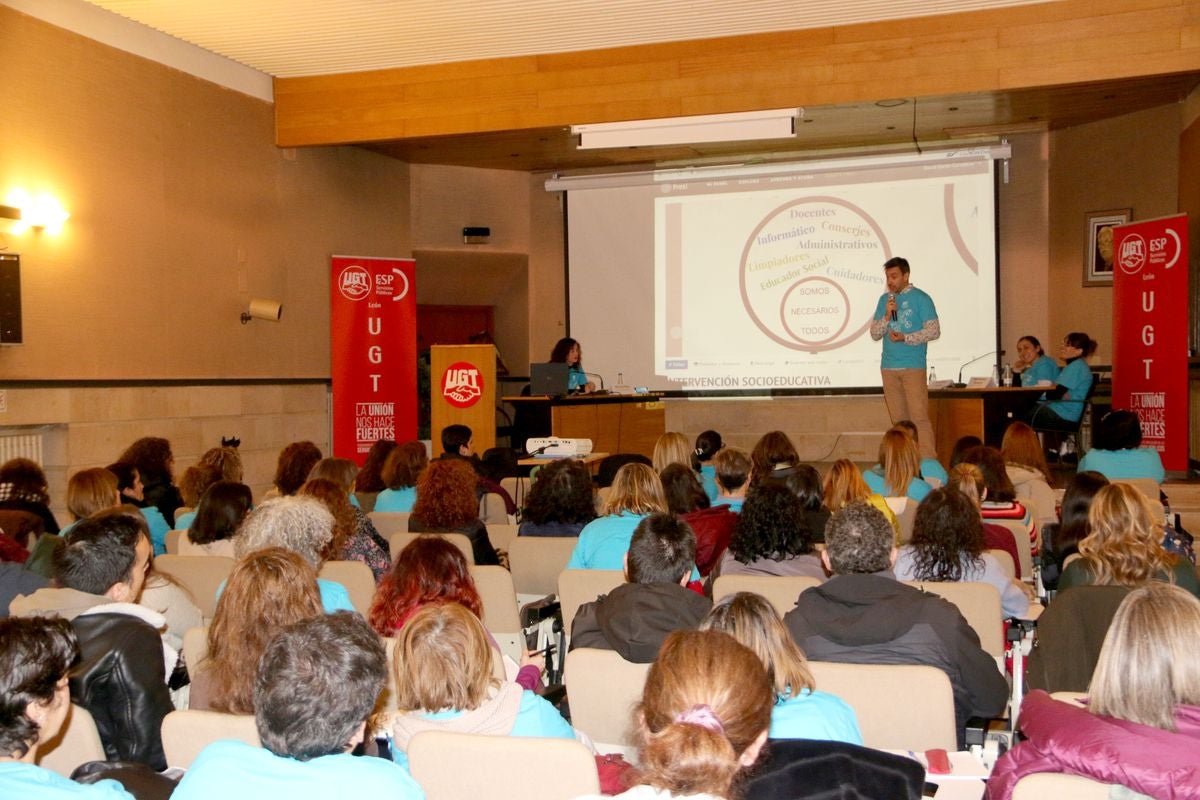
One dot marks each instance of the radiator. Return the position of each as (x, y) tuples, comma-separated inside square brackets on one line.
[(25, 445)]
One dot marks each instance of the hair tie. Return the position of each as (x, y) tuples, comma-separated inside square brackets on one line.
[(703, 716)]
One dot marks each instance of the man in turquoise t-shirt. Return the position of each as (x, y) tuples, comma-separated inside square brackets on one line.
[(906, 321)]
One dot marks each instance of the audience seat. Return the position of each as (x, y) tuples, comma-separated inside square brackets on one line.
[(186, 733), (500, 615), (602, 689), (77, 743), (1020, 532), (536, 562), (1069, 635), (172, 541), (899, 706), (357, 579), (200, 575), (1006, 562), (492, 510), (195, 648), (905, 510), (389, 522), (397, 541), (781, 590), (579, 586), (1060, 787), (501, 536), (979, 603), (517, 487), (500, 767)]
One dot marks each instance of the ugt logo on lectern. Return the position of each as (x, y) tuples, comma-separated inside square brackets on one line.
[(462, 384)]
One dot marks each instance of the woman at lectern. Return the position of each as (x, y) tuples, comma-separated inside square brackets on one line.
[(569, 352)]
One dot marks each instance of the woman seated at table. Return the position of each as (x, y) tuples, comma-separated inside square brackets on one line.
[(1061, 408), (568, 351), (1032, 364)]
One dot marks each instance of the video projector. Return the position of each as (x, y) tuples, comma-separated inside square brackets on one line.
[(554, 447)]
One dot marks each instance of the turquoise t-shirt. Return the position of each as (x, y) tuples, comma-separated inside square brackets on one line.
[(604, 541), (914, 309), (932, 468), (536, 719), (814, 715), (1044, 368), (708, 479), (235, 770), (1116, 465), (917, 488), (576, 378), (31, 782), (334, 596), (1077, 377), (183, 522), (158, 528), (396, 499)]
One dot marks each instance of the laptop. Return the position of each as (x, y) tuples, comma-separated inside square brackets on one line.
[(551, 379)]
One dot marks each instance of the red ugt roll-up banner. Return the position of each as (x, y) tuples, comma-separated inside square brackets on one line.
[(1150, 323), (373, 332)]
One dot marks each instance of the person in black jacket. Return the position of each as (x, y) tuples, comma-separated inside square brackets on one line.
[(637, 616)]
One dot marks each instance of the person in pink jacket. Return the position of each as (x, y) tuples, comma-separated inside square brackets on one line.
[(1141, 724)]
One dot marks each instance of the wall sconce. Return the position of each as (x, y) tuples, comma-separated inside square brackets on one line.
[(269, 310), (42, 213)]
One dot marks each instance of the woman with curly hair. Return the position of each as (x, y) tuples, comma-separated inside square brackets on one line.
[(773, 452), (401, 471), (800, 711), (193, 483), (23, 487), (948, 545), (1124, 547), (225, 460), (447, 503), (636, 493), (898, 473), (302, 525), (844, 485), (771, 536), (560, 502), (295, 462), (712, 525), (218, 517), (267, 590), (349, 542), (428, 570), (154, 461)]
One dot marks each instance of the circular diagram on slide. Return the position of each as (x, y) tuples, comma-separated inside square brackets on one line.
[(812, 272)]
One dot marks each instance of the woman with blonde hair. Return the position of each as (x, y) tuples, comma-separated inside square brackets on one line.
[(267, 590), (800, 711), (444, 682), (1143, 706), (671, 448), (636, 493), (844, 485), (1025, 463), (899, 471), (1124, 547), (703, 719)]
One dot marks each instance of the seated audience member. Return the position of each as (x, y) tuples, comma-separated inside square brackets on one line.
[(635, 494), (634, 618), (844, 484), (342, 472), (1062, 540), (89, 491), (771, 536), (151, 456), (671, 448), (429, 570), (1118, 453), (703, 719), (369, 481), (295, 462), (708, 444), (129, 486), (932, 471), (192, 485), (121, 677), (267, 591), (447, 503), (444, 682), (774, 451), (1025, 464), (220, 513), (947, 545), (961, 447), (1124, 547), (805, 482), (23, 487), (350, 542), (1141, 725), (969, 480), (458, 443), (712, 525), (732, 466), (302, 525), (1033, 365), (800, 711), (1000, 500), (863, 615), (401, 472), (317, 684), (899, 469), (561, 501), (1069, 636), (226, 460), (35, 655)]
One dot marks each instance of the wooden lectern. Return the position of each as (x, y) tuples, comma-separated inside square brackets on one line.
[(462, 391)]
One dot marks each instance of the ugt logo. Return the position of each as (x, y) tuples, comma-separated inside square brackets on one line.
[(354, 282), (1133, 254), (462, 385)]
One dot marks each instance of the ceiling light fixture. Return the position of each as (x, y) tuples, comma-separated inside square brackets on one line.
[(740, 127)]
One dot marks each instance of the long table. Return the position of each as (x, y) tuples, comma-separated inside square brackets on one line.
[(985, 413), (614, 423)]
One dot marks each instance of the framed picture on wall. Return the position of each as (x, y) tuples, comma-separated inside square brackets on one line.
[(1098, 257)]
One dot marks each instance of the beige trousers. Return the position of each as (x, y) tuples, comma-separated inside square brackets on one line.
[(907, 396)]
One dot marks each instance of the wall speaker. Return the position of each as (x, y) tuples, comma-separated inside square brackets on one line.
[(10, 298)]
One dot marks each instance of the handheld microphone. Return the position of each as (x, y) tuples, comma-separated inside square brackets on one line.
[(960, 384), (892, 297)]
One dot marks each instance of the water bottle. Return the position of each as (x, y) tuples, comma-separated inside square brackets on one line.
[(932, 376), (1008, 373), (995, 381)]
